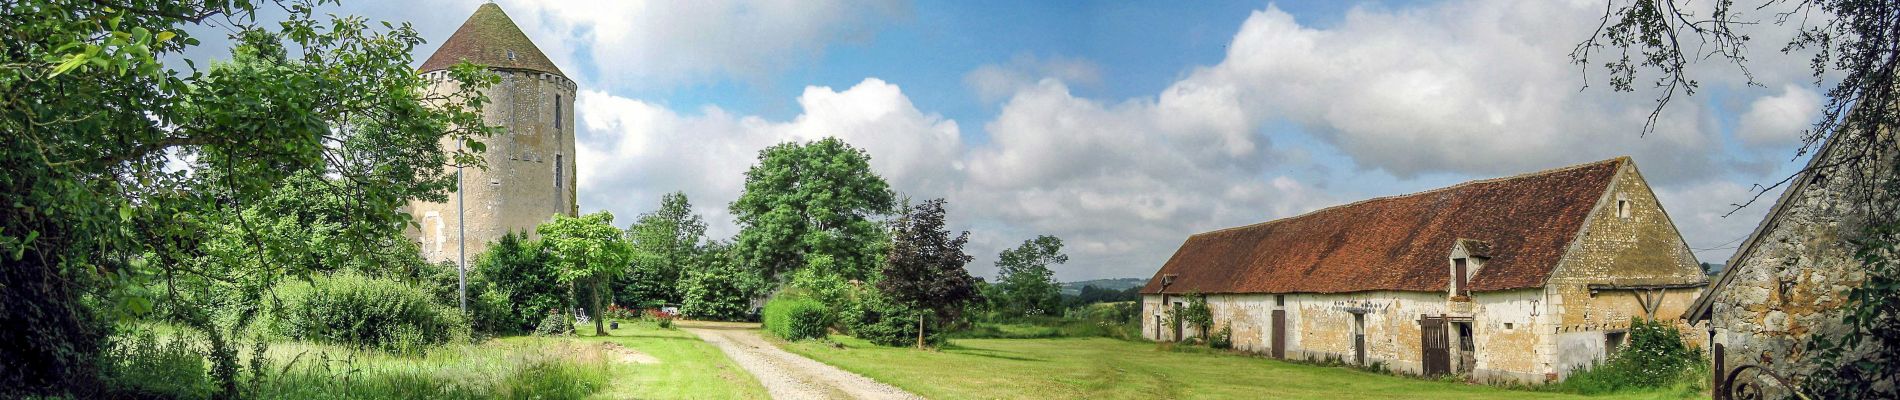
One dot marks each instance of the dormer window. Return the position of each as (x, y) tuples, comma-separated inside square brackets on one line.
[(1467, 257), (1461, 284)]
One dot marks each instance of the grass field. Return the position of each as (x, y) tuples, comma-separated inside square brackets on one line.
[(1099, 368), (688, 368)]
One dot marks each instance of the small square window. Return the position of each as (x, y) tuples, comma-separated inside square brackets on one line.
[(1279, 300), (1508, 326), (1622, 208)]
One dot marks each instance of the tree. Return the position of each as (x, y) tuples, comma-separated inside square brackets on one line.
[(587, 249), (1855, 44), (519, 269), (924, 270), (94, 122), (811, 204), (717, 287), (666, 242), (1027, 285)]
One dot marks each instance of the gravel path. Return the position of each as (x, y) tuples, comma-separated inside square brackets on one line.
[(791, 376)]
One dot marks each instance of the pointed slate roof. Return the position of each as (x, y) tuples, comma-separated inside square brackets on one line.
[(490, 38), (1401, 243)]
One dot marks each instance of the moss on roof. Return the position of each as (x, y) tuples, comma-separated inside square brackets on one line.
[(490, 38)]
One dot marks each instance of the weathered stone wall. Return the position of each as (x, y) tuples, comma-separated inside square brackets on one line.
[(519, 188), (1787, 281), (1632, 244)]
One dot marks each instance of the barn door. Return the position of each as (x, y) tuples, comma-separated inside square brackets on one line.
[(1279, 334), (1433, 343)]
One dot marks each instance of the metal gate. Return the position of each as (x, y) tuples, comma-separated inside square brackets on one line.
[(1279, 334), (1433, 343)]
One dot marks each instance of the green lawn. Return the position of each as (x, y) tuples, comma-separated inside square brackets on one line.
[(1100, 368), (688, 368)]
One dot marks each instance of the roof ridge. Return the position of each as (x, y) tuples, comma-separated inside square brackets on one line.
[(1618, 159)]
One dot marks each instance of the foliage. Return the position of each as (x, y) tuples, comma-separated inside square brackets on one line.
[(718, 287), (811, 201), (139, 365), (1197, 314), (93, 121), (1865, 363), (1655, 357), (1024, 281), (555, 323), (876, 319), (515, 368), (666, 244), (925, 266), (1222, 338), (516, 268), (1092, 294), (794, 317), (353, 310), (489, 310), (587, 249)]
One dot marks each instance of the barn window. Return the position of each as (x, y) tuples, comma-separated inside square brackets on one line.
[(1279, 300), (1613, 342), (1459, 272), (1508, 326), (1622, 208), (511, 55)]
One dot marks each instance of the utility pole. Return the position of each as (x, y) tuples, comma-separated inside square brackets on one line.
[(461, 239)]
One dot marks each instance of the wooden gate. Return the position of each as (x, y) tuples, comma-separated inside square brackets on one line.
[(1279, 334), (1433, 343)]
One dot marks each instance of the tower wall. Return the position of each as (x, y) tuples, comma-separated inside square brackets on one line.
[(529, 174)]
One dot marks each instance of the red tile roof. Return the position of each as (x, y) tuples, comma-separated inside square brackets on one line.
[(1400, 243), (490, 38)]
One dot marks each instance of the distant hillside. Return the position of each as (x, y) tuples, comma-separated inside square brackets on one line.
[(1074, 288)]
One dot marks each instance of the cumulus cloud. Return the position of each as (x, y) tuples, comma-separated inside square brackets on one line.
[(647, 44), (631, 151), (1707, 216), (993, 82), (1779, 120)]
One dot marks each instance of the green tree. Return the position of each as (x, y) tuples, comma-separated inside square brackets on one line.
[(94, 122), (516, 268), (666, 244), (1024, 280), (925, 270), (718, 287), (587, 249), (811, 204)]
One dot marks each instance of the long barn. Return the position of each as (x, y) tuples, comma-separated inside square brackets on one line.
[(1523, 278)]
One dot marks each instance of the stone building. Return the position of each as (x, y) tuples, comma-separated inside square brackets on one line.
[(1523, 278), (1784, 285), (530, 163)]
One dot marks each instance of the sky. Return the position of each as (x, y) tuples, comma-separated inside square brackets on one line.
[(1123, 128)]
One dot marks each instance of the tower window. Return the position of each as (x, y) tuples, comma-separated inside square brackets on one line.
[(557, 171), (557, 117)]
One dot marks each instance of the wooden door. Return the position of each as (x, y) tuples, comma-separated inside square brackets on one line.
[(1279, 334), (1437, 354)]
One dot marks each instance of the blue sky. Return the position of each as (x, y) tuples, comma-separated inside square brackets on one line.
[(1124, 127)]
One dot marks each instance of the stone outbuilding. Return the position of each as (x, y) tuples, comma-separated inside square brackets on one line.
[(530, 163), (1522, 278), (1786, 282)]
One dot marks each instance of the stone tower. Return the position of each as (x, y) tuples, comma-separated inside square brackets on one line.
[(530, 174)]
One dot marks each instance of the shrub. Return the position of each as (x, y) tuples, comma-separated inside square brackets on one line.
[(1222, 338), (1655, 357), (555, 323), (373, 313), (795, 317), (877, 320), (140, 366)]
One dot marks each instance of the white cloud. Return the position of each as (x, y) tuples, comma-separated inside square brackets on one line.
[(1706, 215), (993, 82), (632, 151), (646, 44), (1780, 120)]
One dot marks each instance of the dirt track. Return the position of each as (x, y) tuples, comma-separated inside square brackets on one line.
[(786, 375)]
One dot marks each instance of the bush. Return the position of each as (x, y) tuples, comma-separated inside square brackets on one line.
[(1655, 357), (877, 320), (362, 312), (555, 323), (795, 317), (1222, 338), (140, 366), (720, 289)]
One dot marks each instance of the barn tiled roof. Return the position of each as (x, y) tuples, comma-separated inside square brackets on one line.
[(1400, 243), (490, 38)]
